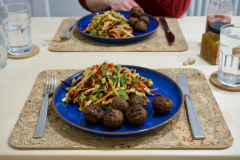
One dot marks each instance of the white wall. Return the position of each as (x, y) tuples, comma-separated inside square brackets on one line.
[(66, 8), (72, 8)]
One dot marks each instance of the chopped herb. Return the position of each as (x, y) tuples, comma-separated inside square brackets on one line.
[(123, 80), (104, 67)]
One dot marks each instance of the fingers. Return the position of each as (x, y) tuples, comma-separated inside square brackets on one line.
[(133, 3), (125, 9), (128, 6)]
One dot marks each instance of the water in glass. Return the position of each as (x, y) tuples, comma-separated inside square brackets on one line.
[(3, 52), (229, 55), (15, 21)]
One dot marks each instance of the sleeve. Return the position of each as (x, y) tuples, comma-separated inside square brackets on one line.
[(83, 4), (175, 8)]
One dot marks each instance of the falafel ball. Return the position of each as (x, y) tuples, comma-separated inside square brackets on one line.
[(113, 118), (145, 19), (136, 11), (93, 113), (140, 26), (162, 105), (132, 21), (120, 104), (136, 115), (138, 100)]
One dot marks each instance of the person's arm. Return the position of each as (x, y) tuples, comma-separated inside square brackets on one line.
[(175, 8), (102, 5)]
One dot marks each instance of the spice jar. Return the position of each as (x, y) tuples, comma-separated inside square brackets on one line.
[(210, 43)]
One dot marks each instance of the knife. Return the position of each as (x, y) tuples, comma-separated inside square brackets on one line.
[(169, 34), (195, 124)]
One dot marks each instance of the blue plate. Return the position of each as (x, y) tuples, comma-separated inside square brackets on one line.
[(152, 27), (166, 87)]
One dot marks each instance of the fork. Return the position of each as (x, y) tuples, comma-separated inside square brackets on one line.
[(50, 86), (66, 35)]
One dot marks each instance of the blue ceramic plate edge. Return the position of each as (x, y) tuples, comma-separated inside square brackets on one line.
[(76, 25), (122, 133)]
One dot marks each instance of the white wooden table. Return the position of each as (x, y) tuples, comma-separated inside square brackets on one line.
[(17, 79)]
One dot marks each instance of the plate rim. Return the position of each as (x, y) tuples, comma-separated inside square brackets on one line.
[(117, 39), (142, 131)]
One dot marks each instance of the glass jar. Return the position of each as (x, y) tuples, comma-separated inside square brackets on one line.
[(210, 43), (219, 11)]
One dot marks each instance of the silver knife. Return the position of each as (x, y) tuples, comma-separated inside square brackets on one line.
[(195, 124), (67, 35)]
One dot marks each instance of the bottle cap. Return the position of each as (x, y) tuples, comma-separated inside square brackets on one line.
[(216, 26)]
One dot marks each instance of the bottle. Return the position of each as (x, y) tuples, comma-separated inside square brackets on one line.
[(219, 11), (210, 43)]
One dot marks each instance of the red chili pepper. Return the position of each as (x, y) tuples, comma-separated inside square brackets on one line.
[(122, 71), (77, 81), (141, 90), (102, 70), (99, 72), (106, 64), (133, 71), (64, 89), (112, 70), (93, 67), (84, 101), (105, 16), (149, 85), (66, 82)]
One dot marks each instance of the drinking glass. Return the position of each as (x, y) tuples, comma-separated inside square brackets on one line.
[(229, 55), (3, 51), (15, 19)]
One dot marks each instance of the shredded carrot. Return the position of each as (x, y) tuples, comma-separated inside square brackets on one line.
[(80, 108), (113, 88), (64, 105), (75, 100), (107, 102), (106, 96)]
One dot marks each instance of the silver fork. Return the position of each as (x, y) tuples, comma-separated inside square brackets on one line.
[(50, 86), (66, 35)]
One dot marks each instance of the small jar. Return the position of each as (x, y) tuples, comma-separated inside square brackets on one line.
[(210, 43)]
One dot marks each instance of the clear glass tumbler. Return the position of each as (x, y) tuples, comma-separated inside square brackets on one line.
[(229, 55), (3, 51), (15, 19)]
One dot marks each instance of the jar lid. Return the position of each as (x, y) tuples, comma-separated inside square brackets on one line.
[(216, 26)]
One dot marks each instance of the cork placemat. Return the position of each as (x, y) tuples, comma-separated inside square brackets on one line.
[(155, 43), (34, 52), (214, 80), (175, 135)]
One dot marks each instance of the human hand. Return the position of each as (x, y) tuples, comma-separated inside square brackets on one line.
[(121, 5)]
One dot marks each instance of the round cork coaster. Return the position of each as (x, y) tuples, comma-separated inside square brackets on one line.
[(35, 51), (214, 80)]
